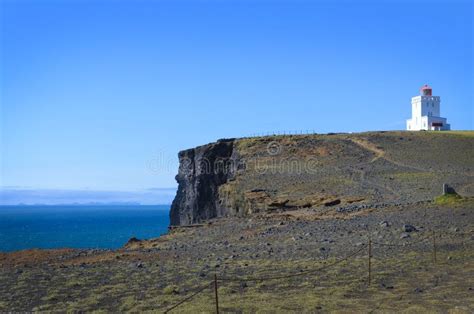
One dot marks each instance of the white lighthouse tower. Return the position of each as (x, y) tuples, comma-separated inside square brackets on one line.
[(425, 113)]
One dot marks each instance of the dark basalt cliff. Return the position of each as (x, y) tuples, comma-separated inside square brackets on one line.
[(339, 172), (201, 171)]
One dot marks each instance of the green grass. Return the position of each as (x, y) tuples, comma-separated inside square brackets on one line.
[(172, 289), (344, 288), (448, 199)]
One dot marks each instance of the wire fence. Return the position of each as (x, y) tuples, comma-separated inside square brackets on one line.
[(369, 246), (288, 132), (189, 297)]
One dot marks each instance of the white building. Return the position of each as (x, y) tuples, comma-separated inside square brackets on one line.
[(425, 114)]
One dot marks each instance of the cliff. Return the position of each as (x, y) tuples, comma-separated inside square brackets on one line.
[(201, 171), (239, 177)]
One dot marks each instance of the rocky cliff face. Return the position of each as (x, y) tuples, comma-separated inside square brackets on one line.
[(341, 172), (202, 170)]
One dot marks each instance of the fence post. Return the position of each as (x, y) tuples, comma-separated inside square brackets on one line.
[(370, 257), (215, 292), (434, 247)]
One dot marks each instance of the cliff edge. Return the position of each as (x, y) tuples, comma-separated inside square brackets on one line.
[(240, 177), (201, 171)]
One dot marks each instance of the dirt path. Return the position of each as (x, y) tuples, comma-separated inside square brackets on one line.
[(380, 154)]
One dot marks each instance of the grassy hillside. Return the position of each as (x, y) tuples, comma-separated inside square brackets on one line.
[(309, 171)]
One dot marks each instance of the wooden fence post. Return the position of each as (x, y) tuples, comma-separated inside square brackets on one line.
[(434, 247), (215, 292), (370, 262)]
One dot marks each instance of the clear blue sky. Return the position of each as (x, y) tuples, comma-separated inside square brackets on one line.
[(95, 93)]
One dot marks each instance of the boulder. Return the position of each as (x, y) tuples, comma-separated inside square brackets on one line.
[(409, 228), (447, 189)]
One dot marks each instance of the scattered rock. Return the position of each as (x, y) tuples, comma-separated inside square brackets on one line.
[(133, 240), (404, 236), (389, 287), (332, 203), (384, 224), (278, 203), (354, 208), (409, 228)]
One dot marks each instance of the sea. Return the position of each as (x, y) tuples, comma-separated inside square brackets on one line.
[(74, 226)]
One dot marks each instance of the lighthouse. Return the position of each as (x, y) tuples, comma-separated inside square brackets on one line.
[(425, 113)]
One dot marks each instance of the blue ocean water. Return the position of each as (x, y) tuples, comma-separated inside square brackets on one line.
[(107, 227)]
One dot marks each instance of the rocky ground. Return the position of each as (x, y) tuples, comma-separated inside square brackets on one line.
[(323, 252)]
